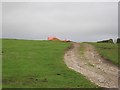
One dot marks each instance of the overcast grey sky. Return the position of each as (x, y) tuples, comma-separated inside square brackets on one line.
[(77, 21)]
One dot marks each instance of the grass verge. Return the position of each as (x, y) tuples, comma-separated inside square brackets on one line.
[(108, 51)]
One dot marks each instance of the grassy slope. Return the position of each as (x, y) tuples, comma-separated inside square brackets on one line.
[(0, 63), (108, 50), (38, 64), (81, 49)]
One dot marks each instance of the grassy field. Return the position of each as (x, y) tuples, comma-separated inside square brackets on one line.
[(40, 64), (81, 48), (108, 50), (0, 63)]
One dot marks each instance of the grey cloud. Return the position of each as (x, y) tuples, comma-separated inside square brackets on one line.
[(76, 21)]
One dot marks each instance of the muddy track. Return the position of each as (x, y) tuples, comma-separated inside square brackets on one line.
[(92, 65)]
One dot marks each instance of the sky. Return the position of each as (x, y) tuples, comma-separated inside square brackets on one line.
[(76, 21)]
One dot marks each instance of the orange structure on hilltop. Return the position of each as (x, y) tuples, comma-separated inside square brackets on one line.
[(53, 39), (56, 39)]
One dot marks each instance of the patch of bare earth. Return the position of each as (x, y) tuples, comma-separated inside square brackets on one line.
[(92, 65)]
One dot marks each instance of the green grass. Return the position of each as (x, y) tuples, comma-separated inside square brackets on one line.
[(0, 46), (108, 51), (0, 63), (40, 64), (81, 49)]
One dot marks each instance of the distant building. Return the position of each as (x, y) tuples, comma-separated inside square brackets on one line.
[(106, 41), (56, 39), (53, 39), (118, 40)]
